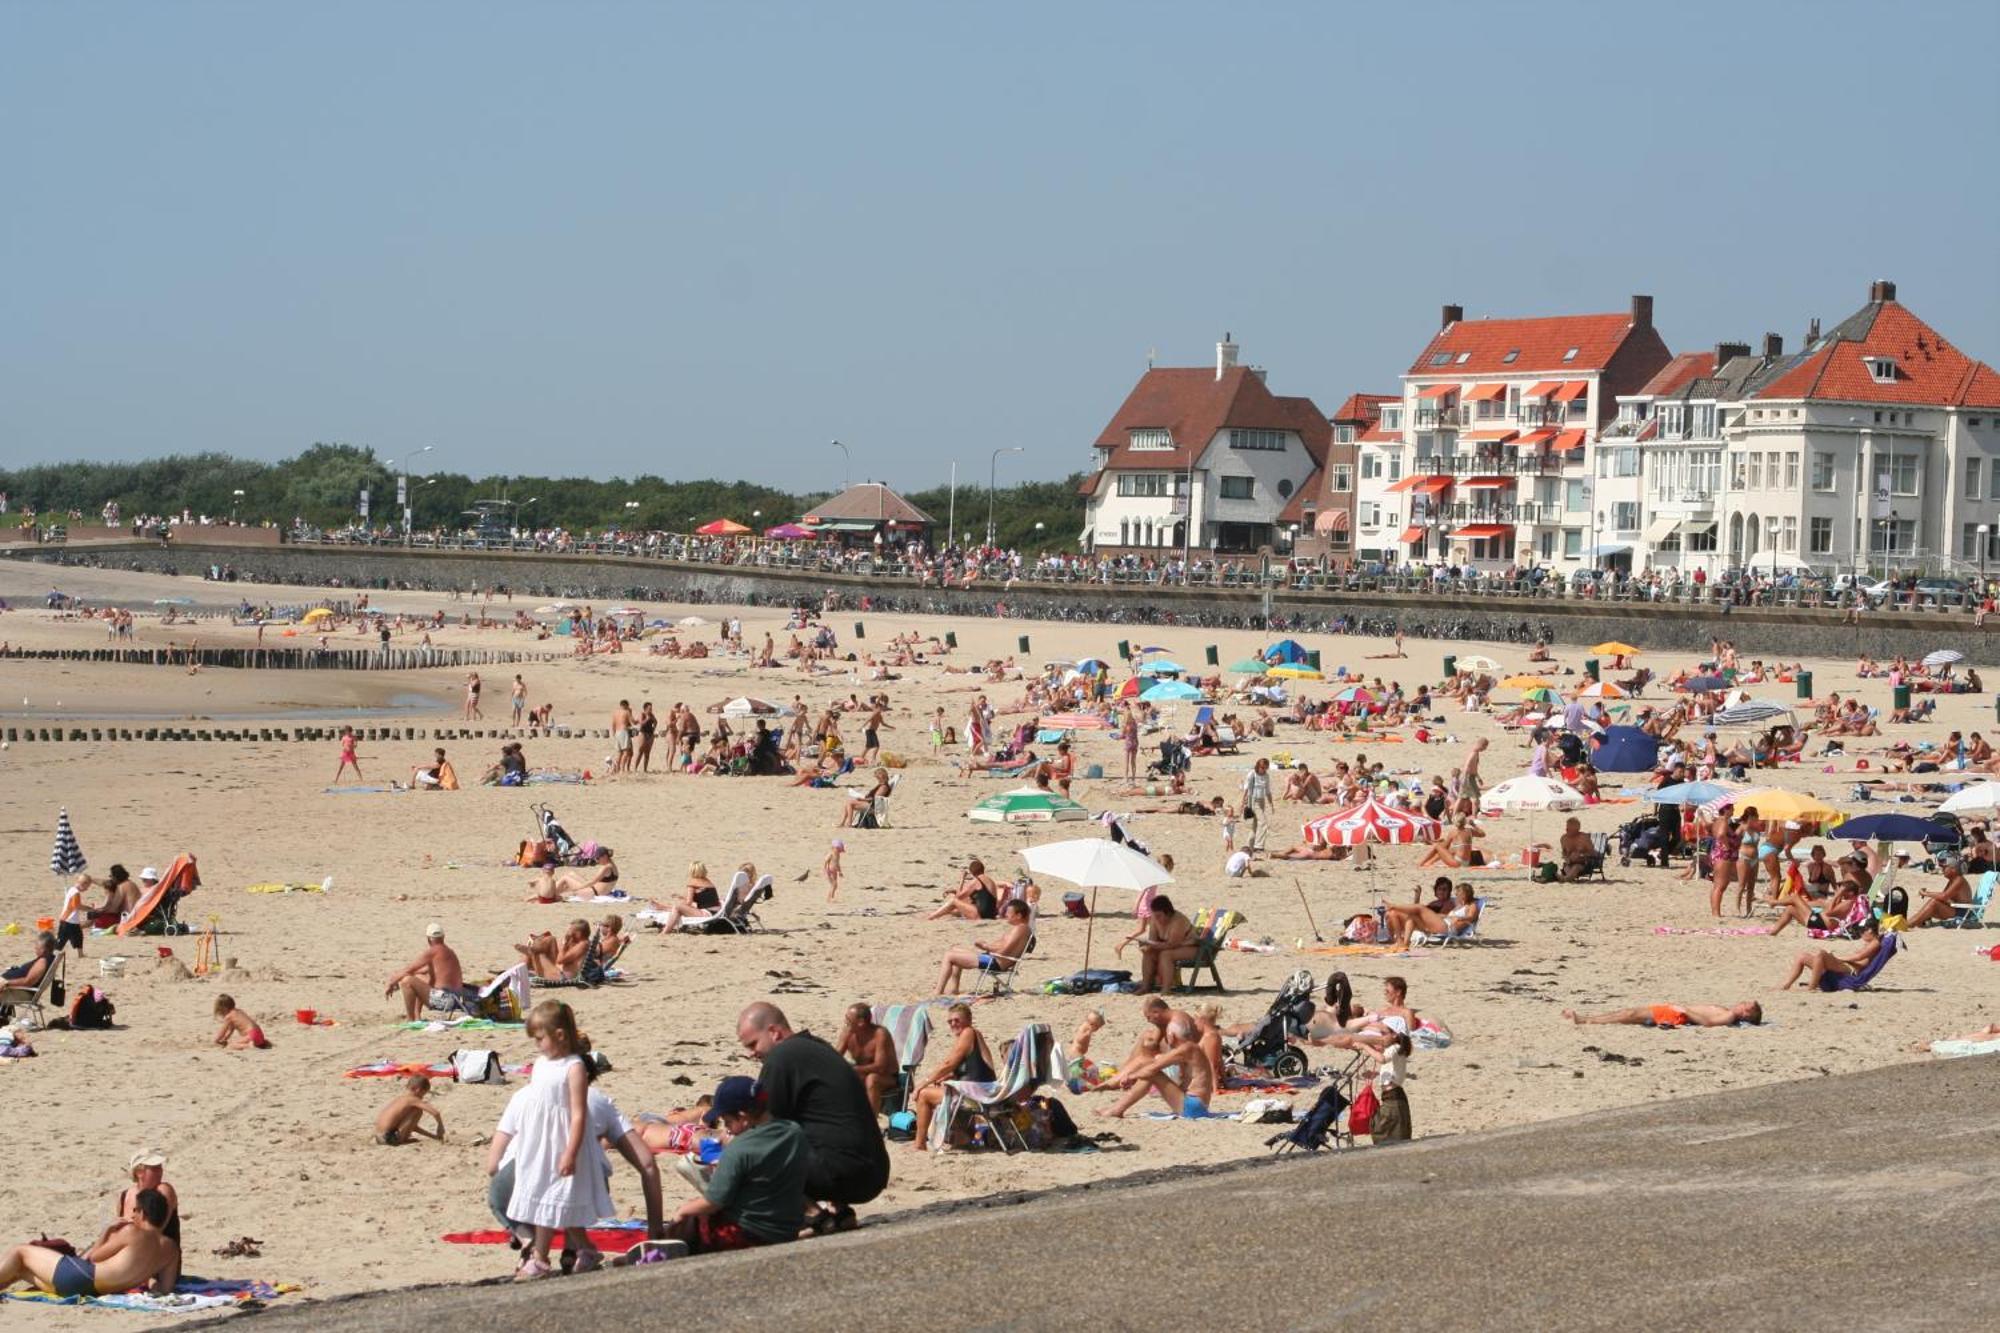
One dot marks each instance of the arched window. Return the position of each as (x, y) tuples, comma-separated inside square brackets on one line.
[(1736, 536)]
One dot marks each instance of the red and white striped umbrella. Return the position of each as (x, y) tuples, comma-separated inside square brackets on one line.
[(1370, 821)]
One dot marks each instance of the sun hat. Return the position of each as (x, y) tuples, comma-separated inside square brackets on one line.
[(147, 1157), (150, 875)]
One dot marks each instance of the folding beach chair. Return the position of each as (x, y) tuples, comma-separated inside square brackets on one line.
[(997, 981), (1028, 1065), (1467, 932), (30, 1000), (1972, 915), (1834, 981), (1214, 923), (877, 814)]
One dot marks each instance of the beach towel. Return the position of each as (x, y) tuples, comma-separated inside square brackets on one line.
[(1365, 951), (435, 1069), (353, 791), (460, 1024), (613, 1235), (285, 888), (593, 899), (1726, 932), (1954, 1047), (192, 1294)]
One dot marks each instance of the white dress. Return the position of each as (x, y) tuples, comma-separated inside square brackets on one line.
[(543, 1196)]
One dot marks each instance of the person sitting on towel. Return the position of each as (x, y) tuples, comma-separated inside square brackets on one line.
[(138, 1255), (435, 980)]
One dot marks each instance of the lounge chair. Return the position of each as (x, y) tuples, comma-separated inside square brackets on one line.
[(1835, 981), (31, 1000), (909, 1028), (1468, 932), (736, 915), (1029, 1061), (1214, 925), (1972, 915)]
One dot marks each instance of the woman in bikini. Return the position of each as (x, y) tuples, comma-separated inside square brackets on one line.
[(595, 880), (1404, 919), (1725, 845), (699, 899)]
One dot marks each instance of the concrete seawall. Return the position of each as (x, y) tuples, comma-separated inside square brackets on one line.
[(1769, 632)]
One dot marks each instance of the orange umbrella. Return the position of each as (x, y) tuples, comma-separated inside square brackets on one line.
[(722, 527)]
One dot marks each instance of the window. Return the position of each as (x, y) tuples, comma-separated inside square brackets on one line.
[(1903, 470), (1625, 516), (1371, 515), (1969, 543), (1284, 488), (1441, 359), (1570, 355), (1343, 477), (1392, 418), (1395, 466), (1574, 496), (1371, 466), (1820, 532), (1673, 421), (1790, 540), (1738, 471), (1881, 368), (1151, 438), (1705, 476), (1756, 482), (1625, 461), (1514, 355), (1144, 485), (1238, 488), (1464, 357), (1972, 478), (1343, 434), (1892, 536), (1704, 421), (1698, 541), (1792, 470), (1269, 440), (1572, 542), (1822, 470)]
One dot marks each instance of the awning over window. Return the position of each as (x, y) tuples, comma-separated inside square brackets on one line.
[(1660, 528), (1543, 389), (1413, 533), (1333, 520), (1405, 484), (1437, 391), (1571, 391), (1486, 483), (1568, 440), (1698, 527), (1423, 483), (1484, 530), (1541, 436), (1602, 549), (1487, 436), (1483, 393)]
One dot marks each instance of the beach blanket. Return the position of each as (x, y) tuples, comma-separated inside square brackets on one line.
[(437, 1069), (285, 888), (1258, 1083), (611, 1234), (351, 791), (594, 898), (554, 778), (191, 1295), (1719, 931), (1954, 1047), (1364, 951), (460, 1024)]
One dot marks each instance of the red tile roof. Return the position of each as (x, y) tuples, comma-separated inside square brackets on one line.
[(1929, 370), (1363, 407), (1678, 372), (1193, 404), (1295, 508), (1540, 343)]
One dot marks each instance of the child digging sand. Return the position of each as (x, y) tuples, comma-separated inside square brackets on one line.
[(239, 1031), (557, 1186), (403, 1118)]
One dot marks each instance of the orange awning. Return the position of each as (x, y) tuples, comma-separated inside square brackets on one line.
[(1568, 440), (1431, 485), (1543, 389), (1486, 483), (1572, 391), (1486, 436), (1405, 484), (1482, 393), (1485, 530), (1437, 391), (1413, 533), (1541, 436)]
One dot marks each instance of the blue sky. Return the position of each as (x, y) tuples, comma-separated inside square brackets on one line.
[(706, 240)]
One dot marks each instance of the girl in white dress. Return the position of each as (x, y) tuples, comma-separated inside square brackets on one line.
[(550, 1193)]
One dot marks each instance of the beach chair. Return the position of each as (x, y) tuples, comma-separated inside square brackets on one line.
[(1469, 932), (506, 998), (734, 915), (909, 1028), (1832, 982), (1972, 915), (998, 982), (877, 814), (1600, 852), (1214, 924), (33, 1000), (1029, 1061)]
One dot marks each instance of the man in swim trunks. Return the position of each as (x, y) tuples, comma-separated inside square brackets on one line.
[(1744, 1012), (1181, 1071), (137, 1255), (436, 980)]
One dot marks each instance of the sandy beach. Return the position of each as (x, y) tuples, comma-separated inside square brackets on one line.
[(276, 1144)]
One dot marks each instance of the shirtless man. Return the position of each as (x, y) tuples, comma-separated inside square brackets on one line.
[(1677, 1015), (1001, 955), (621, 736), (435, 980), (872, 1051), (1180, 1070), (136, 1255), (1575, 851), (1469, 788)]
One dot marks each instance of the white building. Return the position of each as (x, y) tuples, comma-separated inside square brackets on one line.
[(1203, 461)]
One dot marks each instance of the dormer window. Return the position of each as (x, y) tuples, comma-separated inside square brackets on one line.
[(1570, 355), (1881, 368), (1151, 439), (1464, 357), (1441, 359), (1511, 357)]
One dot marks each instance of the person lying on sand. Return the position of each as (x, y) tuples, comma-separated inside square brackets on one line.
[(1990, 1032), (403, 1118), (1742, 1013), (678, 1131)]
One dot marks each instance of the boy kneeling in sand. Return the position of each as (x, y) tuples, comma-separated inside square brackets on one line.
[(403, 1118)]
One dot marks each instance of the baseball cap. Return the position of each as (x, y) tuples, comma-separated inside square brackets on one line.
[(150, 874), (736, 1093), (434, 931), (147, 1157)]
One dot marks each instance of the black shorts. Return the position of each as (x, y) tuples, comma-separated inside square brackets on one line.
[(845, 1178), (70, 933), (872, 742), (984, 903)]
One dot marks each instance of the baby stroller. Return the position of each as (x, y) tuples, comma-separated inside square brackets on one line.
[(552, 831), (1175, 757), (1650, 838), (1322, 1123), (1268, 1046)]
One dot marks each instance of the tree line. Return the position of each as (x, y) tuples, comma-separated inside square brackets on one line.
[(323, 486)]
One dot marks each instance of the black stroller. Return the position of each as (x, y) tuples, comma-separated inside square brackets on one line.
[(1269, 1046), (1651, 838), (1322, 1124), (553, 831), (1175, 757)]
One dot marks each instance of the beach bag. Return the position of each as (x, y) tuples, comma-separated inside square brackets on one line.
[(1073, 905), (93, 1009), (1054, 1116), (477, 1067), (1896, 902), (1362, 1114)]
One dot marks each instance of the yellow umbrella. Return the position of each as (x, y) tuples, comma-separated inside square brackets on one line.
[(317, 613), (1527, 683), (1616, 649), (1774, 803), (1295, 673)]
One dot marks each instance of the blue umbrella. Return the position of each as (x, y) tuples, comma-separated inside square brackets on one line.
[(1169, 690), (1704, 683), (1163, 667), (1090, 666), (1896, 828), (1689, 793), (1285, 650), (1626, 750)]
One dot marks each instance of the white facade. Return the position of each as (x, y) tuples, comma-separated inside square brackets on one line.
[(1241, 480)]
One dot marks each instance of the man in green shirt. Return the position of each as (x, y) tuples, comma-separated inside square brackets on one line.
[(757, 1194)]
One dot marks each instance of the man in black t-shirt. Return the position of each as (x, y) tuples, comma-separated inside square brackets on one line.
[(807, 1081)]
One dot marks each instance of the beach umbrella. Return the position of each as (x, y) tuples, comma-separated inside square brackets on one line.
[(1943, 657), (1163, 667), (722, 527), (1625, 750), (1749, 712), (1249, 666), (749, 707), (181, 601), (1530, 792), (316, 615), (789, 532), (685, 622), (1027, 805), (1775, 803), (555, 608), (1477, 663), (1130, 689), (66, 857), (1155, 648), (1615, 649), (1703, 683), (1077, 722), (1096, 863), (1691, 793), (1354, 694), (1526, 683), (1893, 828), (1981, 798), (1541, 694), (1169, 691), (624, 611), (1602, 689), (1295, 672), (1370, 821)]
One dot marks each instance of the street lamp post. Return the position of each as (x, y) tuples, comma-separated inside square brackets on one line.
[(235, 500), (992, 471), (848, 468), (1982, 530), (404, 487)]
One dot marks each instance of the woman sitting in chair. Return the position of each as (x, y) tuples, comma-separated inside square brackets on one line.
[(977, 897), (970, 1059), (28, 975), (1001, 955), (701, 899), (857, 806)]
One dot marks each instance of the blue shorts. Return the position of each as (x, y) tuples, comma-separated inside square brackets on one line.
[(987, 961), (1194, 1108), (75, 1277)]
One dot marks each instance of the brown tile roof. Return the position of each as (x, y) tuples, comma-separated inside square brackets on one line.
[(1295, 508), (868, 502), (1362, 407), (1192, 405), (1929, 371), (1539, 342), (1679, 373)]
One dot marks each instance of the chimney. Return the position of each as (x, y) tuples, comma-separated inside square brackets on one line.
[(1452, 315), (1812, 331), (1642, 312), (1881, 290), (1225, 355), (1258, 371), (1727, 352), (1774, 346)]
